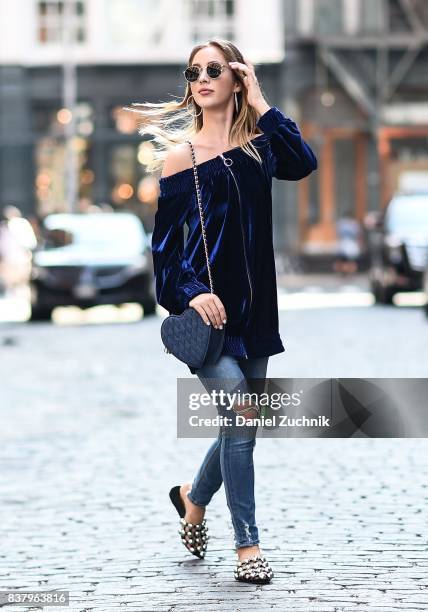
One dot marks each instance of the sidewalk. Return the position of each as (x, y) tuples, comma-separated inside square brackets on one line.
[(325, 282), (89, 452)]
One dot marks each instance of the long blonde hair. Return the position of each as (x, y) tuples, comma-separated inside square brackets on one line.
[(157, 118)]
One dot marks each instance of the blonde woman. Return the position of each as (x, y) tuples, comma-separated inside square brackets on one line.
[(240, 143)]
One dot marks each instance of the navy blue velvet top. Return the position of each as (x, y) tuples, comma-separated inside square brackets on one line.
[(237, 208)]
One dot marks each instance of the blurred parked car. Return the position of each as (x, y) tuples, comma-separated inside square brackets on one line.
[(398, 244), (17, 239), (90, 259), (425, 288)]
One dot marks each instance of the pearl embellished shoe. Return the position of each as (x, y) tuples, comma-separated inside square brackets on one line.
[(193, 536), (255, 569)]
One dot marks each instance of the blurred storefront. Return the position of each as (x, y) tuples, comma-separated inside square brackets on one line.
[(110, 158)]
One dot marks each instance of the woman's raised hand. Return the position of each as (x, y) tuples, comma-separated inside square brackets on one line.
[(211, 309)]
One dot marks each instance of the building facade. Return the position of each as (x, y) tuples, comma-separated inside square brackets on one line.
[(355, 75), (108, 53), (351, 73)]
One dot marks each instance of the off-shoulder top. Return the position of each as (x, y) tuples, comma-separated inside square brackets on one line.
[(236, 194)]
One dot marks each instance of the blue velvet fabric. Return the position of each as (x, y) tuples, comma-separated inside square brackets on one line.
[(238, 214)]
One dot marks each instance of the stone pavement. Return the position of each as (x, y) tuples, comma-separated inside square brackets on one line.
[(89, 452)]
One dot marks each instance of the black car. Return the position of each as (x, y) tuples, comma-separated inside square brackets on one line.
[(425, 289), (90, 259), (398, 246)]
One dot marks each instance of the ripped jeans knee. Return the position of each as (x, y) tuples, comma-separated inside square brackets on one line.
[(248, 409)]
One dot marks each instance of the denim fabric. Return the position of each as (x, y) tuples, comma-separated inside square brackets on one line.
[(237, 208), (230, 458)]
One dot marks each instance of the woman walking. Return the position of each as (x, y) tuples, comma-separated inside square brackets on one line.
[(240, 144)]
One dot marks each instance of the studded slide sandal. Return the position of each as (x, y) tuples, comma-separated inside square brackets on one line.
[(255, 569), (194, 537)]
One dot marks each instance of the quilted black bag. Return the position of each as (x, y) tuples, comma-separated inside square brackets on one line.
[(187, 336)]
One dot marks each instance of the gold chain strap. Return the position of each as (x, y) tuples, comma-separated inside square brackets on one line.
[(198, 194)]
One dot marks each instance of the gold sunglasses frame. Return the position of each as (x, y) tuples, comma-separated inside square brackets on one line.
[(223, 66)]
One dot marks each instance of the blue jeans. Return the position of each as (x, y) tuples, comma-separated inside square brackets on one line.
[(230, 458)]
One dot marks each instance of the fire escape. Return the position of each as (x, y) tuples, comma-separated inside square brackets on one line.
[(369, 48), (371, 65)]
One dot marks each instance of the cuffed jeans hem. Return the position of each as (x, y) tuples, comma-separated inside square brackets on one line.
[(196, 502), (242, 544)]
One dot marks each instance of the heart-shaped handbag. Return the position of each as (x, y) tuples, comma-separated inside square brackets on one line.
[(187, 336)]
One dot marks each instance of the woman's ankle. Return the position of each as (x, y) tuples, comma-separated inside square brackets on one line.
[(244, 552), (194, 513)]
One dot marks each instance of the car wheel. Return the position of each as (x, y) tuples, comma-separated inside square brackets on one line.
[(382, 295), (149, 307), (40, 313)]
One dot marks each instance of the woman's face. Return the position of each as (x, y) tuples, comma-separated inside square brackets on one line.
[(222, 88)]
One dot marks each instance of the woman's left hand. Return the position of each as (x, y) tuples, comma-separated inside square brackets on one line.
[(254, 94)]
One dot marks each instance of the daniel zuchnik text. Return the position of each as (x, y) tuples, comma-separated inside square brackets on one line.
[(276, 420)]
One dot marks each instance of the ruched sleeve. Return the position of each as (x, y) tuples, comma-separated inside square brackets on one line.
[(175, 279), (291, 158)]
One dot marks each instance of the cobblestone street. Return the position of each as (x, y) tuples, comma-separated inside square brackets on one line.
[(89, 452)]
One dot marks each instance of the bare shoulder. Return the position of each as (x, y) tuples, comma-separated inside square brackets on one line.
[(177, 159)]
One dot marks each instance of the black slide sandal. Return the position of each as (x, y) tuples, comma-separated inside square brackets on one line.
[(194, 537), (175, 497)]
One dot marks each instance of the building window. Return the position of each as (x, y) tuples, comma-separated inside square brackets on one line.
[(328, 17), (53, 14), (290, 16), (211, 8), (49, 119), (373, 18), (211, 18)]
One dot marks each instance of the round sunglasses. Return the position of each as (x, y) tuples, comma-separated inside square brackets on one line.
[(214, 70)]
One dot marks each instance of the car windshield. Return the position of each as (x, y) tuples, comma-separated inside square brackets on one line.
[(95, 231), (407, 213)]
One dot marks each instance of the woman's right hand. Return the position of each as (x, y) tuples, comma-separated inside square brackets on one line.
[(211, 309)]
